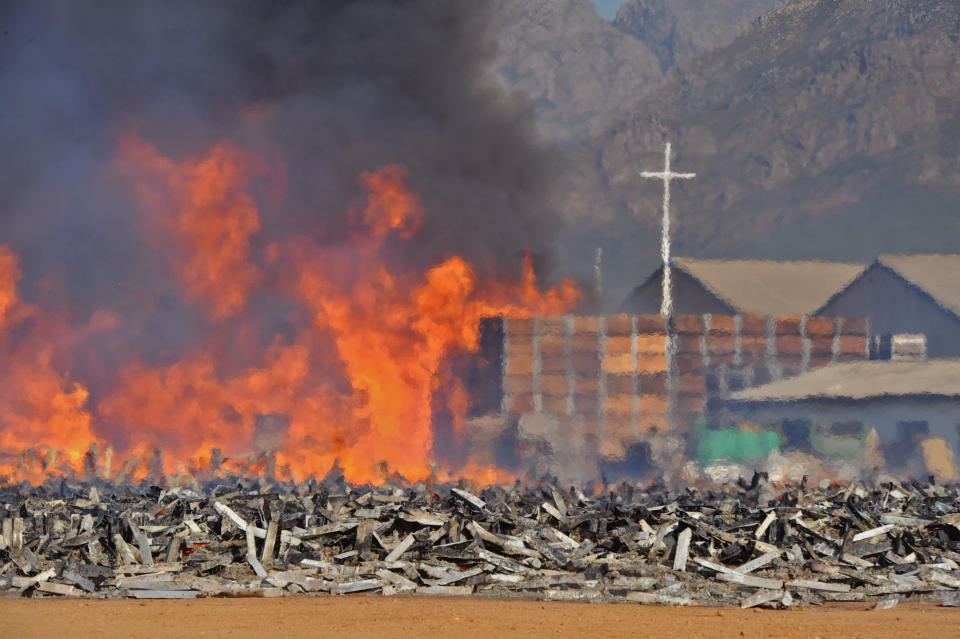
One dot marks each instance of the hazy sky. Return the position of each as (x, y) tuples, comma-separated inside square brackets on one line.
[(608, 8)]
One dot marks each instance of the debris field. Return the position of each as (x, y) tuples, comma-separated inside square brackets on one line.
[(745, 544)]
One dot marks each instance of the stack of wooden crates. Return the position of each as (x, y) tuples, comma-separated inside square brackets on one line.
[(593, 386)]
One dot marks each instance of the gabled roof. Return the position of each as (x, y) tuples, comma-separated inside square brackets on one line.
[(862, 380), (937, 275), (766, 287)]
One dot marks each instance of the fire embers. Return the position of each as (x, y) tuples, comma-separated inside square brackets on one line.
[(352, 375)]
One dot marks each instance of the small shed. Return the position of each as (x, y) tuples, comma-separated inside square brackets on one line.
[(830, 410)]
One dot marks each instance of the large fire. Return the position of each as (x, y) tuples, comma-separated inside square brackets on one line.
[(353, 378), (38, 405)]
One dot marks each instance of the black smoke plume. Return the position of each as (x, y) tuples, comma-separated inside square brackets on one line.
[(343, 86)]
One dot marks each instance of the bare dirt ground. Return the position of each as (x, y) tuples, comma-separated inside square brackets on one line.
[(358, 617)]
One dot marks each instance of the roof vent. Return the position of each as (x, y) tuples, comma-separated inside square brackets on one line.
[(909, 347)]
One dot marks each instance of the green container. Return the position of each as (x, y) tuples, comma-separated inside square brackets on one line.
[(734, 444)]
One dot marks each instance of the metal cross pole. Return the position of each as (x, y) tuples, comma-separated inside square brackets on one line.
[(666, 303), (598, 274)]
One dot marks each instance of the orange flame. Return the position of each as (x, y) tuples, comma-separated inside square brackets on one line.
[(9, 276), (355, 386), (392, 330), (38, 405), (204, 205)]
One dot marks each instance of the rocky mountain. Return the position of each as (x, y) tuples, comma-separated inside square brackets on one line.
[(581, 73), (584, 75), (830, 130), (679, 30)]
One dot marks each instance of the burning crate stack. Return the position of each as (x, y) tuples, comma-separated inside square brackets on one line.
[(594, 381), (591, 387)]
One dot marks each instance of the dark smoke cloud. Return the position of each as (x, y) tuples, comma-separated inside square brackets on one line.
[(346, 87)]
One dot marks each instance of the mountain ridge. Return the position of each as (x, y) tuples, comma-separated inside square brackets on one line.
[(830, 131), (679, 30)]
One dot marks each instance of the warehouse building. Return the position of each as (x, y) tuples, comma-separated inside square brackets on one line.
[(916, 295), (741, 287), (914, 407), (911, 302)]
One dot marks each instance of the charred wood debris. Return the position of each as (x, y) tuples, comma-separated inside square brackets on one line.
[(744, 544)]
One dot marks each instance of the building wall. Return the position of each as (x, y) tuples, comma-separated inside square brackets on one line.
[(895, 306), (689, 297), (894, 419)]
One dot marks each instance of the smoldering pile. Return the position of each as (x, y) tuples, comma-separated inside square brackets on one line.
[(738, 544)]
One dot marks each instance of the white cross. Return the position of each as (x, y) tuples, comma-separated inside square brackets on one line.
[(666, 305)]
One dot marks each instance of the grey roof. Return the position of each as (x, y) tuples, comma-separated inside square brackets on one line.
[(937, 275), (766, 287), (862, 380)]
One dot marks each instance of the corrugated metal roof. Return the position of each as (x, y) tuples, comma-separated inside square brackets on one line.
[(766, 287), (938, 275), (862, 380)]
